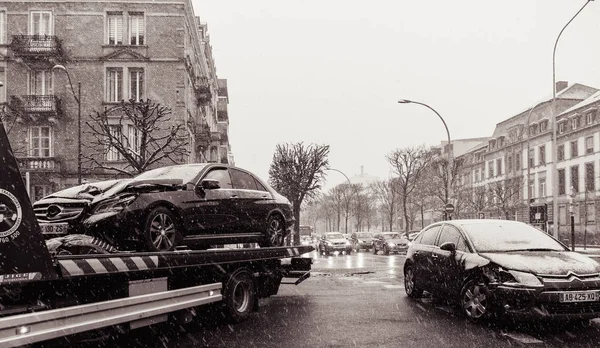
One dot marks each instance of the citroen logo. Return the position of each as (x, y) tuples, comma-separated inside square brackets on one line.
[(53, 211)]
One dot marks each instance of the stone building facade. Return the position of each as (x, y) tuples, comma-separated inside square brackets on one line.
[(114, 51)]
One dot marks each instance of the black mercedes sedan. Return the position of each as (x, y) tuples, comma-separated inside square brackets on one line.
[(196, 205), (500, 267)]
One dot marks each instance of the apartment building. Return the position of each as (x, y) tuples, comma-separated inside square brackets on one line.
[(508, 173), (62, 61)]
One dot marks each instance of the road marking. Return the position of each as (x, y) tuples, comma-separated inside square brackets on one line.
[(394, 286), (522, 338)]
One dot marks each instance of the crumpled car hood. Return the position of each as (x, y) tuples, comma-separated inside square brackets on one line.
[(544, 262)]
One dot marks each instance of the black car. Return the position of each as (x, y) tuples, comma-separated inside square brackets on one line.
[(196, 205), (389, 242), (361, 240), (500, 267)]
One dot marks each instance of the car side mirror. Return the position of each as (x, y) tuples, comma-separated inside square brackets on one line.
[(210, 184), (448, 246)]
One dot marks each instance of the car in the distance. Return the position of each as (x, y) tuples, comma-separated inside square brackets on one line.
[(361, 240), (502, 268), (334, 241), (196, 205), (389, 242)]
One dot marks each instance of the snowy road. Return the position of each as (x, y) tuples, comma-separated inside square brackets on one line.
[(355, 301)]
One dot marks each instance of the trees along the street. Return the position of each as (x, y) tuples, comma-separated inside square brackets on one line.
[(297, 172), (387, 196)]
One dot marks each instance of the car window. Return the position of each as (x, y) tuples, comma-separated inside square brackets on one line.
[(241, 180), (221, 175), (451, 234), (428, 236), (260, 186)]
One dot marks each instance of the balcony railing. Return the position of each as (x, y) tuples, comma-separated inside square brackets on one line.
[(202, 91), (37, 104), (37, 46), (39, 164)]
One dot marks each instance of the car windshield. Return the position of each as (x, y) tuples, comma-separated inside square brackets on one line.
[(506, 236), (186, 173), (391, 236), (364, 235), (334, 236)]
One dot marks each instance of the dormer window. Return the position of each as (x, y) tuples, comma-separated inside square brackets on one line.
[(532, 129), (590, 117), (501, 141), (575, 122), (543, 126), (562, 127)]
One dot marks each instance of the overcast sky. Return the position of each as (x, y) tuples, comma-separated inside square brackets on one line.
[(331, 71)]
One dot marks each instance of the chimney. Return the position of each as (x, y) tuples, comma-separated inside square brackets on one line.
[(560, 85), (362, 170)]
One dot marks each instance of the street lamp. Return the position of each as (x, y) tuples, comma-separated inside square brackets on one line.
[(554, 138), (450, 154), (77, 98)]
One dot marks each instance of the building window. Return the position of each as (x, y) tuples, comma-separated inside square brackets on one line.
[(3, 87), (590, 212), (575, 178), (590, 117), (561, 127), (490, 169), (40, 82), (134, 139), (477, 175), (137, 28), (112, 154), (542, 155), (509, 164), (136, 84), (589, 144), (40, 141), (115, 28), (561, 182), (561, 152), (542, 182), (543, 126), (531, 158), (518, 161), (41, 23), (499, 166), (574, 149), (2, 27), (590, 182), (114, 84), (530, 192)]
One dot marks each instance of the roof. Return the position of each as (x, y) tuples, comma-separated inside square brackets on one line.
[(590, 100)]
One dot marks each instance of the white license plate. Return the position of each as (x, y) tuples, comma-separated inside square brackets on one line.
[(54, 228), (579, 296)]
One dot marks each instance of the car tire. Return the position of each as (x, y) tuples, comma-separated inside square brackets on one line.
[(349, 252), (161, 230), (475, 301), (386, 250), (238, 296), (275, 231), (410, 286)]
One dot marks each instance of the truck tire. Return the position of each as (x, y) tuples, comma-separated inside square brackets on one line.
[(161, 230), (239, 296)]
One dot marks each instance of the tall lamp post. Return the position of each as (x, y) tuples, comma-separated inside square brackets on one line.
[(77, 98), (554, 126), (450, 151)]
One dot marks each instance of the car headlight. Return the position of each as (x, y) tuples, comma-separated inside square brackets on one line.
[(392, 244), (348, 242), (328, 243), (115, 205), (524, 278)]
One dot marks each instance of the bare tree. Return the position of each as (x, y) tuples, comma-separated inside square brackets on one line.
[(388, 198), (408, 163), (363, 208), (141, 133), (297, 172), (503, 194)]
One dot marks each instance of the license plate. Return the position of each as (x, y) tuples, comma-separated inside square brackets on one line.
[(579, 296), (54, 228)]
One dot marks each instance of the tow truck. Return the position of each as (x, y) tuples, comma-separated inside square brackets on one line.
[(46, 294)]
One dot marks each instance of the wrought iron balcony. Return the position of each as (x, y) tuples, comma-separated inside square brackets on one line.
[(202, 91), (37, 46), (48, 105), (222, 110), (39, 164)]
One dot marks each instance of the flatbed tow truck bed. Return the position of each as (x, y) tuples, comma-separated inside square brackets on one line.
[(45, 296)]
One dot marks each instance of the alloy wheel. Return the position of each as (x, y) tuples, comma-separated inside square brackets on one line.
[(409, 281), (475, 301), (275, 231), (162, 231)]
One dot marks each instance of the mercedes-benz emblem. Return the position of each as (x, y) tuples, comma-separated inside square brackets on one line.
[(53, 211)]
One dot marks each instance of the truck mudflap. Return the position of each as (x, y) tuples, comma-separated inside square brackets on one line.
[(30, 328), (298, 268), (23, 253)]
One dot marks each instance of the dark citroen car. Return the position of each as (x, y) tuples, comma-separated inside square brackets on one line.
[(493, 267), (194, 204)]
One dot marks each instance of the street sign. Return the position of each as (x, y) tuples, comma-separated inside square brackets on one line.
[(482, 215), (449, 208)]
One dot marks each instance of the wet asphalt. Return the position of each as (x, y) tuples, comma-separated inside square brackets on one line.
[(355, 300)]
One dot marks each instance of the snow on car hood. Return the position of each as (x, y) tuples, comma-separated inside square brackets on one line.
[(545, 262)]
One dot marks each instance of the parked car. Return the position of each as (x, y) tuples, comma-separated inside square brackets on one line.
[(412, 235), (196, 205), (361, 240), (389, 242), (494, 267), (333, 241)]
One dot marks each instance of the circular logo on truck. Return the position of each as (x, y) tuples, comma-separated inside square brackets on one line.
[(10, 213)]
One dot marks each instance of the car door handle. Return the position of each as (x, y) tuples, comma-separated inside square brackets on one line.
[(234, 196)]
